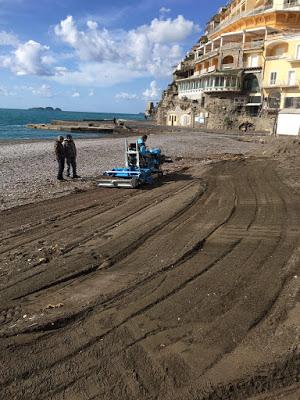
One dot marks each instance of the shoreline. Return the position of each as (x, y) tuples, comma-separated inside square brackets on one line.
[(134, 126)]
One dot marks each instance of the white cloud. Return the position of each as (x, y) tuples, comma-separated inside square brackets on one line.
[(97, 74), (93, 45), (6, 92), (8, 39), (126, 96), (91, 93), (170, 31), (149, 50), (61, 71), (76, 94), (164, 10), (92, 24), (101, 57), (153, 92), (43, 91), (28, 59)]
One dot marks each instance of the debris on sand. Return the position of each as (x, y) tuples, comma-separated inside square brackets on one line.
[(52, 306)]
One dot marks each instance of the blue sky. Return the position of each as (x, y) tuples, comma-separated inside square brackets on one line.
[(95, 55)]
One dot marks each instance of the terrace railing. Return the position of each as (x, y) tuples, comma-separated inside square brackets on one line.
[(239, 16)]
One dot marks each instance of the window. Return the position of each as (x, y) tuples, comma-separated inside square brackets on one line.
[(290, 3), (274, 100), (253, 111), (251, 83), (254, 99), (273, 77), (292, 102), (228, 60), (292, 78), (254, 61)]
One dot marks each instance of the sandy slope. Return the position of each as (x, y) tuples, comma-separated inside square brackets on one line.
[(186, 291)]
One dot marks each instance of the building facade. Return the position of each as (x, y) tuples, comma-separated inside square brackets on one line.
[(245, 67)]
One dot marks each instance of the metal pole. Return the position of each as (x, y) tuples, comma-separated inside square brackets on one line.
[(126, 154), (137, 155)]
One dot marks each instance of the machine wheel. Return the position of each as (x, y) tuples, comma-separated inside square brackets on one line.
[(135, 183)]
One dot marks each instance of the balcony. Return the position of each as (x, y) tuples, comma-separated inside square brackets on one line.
[(291, 3), (221, 83), (215, 89), (211, 69), (247, 65), (231, 45), (257, 44), (208, 55), (244, 14), (278, 57), (205, 71), (227, 66), (293, 60), (282, 84)]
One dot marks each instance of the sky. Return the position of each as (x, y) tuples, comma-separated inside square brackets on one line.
[(94, 55)]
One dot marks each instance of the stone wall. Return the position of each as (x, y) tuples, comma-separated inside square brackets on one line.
[(220, 111)]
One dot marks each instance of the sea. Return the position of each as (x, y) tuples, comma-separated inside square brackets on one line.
[(13, 122)]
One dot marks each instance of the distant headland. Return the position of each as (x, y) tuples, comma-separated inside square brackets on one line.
[(44, 109)]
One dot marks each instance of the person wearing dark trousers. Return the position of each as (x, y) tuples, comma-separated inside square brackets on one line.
[(70, 154), (60, 157)]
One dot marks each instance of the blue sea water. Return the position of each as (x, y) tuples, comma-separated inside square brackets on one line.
[(13, 122)]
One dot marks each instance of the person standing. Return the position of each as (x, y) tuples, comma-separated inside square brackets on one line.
[(142, 145), (60, 157), (70, 154)]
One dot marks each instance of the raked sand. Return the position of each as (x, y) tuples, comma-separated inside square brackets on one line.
[(28, 169)]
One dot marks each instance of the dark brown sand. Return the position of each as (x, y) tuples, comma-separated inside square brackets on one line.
[(188, 290)]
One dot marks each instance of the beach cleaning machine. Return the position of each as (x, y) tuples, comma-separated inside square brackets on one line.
[(139, 169)]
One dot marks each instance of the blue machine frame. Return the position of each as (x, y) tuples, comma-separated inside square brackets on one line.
[(134, 174)]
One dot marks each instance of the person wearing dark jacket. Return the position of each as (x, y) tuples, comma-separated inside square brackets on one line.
[(70, 154), (60, 156)]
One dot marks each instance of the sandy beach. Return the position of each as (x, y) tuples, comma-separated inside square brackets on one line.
[(28, 170), (185, 290)]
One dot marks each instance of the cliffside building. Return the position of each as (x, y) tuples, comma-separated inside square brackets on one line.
[(245, 67)]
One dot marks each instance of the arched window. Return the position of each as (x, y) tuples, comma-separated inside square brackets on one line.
[(277, 49), (227, 60)]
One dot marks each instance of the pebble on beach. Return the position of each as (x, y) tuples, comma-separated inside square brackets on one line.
[(28, 170)]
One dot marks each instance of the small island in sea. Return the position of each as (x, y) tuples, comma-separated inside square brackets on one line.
[(44, 109)]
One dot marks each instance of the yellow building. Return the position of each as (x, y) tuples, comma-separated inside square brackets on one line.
[(250, 53), (282, 71)]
